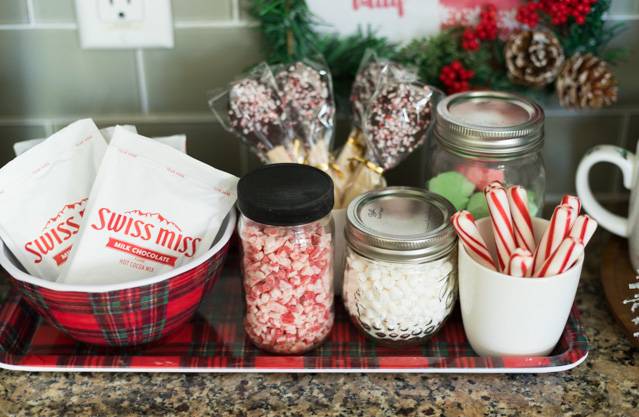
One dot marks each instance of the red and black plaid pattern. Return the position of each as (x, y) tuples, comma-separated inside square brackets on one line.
[(214, 340), (126, 317)]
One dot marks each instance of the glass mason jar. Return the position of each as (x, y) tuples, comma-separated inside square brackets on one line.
[(286, 232), (400, 274), (486, 136)]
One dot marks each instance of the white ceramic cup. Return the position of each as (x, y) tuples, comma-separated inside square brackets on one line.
[(622, 226), (513, 316)]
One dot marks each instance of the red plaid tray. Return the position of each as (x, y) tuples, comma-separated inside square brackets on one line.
[(214, 341)]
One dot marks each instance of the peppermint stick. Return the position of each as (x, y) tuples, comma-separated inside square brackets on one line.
[(569, 250), (497, 201), (553, 236), (466, 228), (522, 223)]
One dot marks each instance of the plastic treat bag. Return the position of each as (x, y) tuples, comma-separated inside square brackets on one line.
[(252, 109), (306, 88), (43, 196), (151, 209), (363, 89), (398, 120)]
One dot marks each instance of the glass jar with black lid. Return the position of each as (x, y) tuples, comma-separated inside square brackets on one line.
[(286, 231)]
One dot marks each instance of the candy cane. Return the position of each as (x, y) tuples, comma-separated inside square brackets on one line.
[(522, 223), (466, 228), (497, 202), (562, 259), (573, 202), (556, 232), (583, 228), (520, 263)]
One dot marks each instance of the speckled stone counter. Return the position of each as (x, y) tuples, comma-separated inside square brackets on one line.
[(607, 383)]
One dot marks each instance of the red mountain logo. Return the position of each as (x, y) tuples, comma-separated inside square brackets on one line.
[(65, 209), (154, 215)]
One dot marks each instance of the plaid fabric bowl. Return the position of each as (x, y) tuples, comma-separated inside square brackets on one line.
[(124, 314)]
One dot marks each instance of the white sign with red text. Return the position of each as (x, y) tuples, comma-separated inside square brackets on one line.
[(404, 20)]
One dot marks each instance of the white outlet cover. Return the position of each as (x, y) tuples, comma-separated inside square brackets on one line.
[(124, 24)]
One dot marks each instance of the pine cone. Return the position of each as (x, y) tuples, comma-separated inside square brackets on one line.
[(586, 82), (533, 57)]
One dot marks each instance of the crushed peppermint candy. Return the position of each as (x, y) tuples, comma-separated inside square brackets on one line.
[(305, 94), (256, 113), (397, 121), (288, 285), (363, 89)]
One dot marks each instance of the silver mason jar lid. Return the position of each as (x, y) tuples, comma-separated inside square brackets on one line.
[(489, 123), (400, 224)]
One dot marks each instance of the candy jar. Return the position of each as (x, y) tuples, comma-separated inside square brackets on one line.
[(286, 232), (400, 277), (485, 136)]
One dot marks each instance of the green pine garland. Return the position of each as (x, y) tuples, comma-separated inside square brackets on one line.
[(290, 32)]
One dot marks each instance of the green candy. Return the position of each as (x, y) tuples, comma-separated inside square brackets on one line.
[(477, 206), (453, 186), (532, 207)]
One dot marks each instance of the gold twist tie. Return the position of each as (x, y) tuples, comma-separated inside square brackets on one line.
[(297, 149), (352, 141), (368, 164)]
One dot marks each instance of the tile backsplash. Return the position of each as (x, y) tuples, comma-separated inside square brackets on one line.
[(48, 80)]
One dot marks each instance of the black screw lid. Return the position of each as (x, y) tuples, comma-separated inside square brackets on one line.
[(285, 194)]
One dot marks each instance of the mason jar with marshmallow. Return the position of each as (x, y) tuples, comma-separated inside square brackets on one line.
[(400, 277)]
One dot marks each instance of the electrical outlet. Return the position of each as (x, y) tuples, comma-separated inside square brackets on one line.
[(124, 24)]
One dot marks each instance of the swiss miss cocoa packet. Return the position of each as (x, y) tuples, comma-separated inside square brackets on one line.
[(43, 194), (151, 209)]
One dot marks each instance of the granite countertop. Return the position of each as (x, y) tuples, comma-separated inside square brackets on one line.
[(607, 383)]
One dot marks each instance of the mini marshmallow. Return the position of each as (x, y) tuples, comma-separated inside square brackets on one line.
[(398, 301)]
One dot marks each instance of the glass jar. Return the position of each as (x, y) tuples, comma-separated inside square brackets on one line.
[(286, 232), (400, 275), (486, 136)]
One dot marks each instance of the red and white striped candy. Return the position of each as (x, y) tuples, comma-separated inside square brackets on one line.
[(551, 239), (583, 228), (520, 263), (497, 202), (466, 228), (573, 202), (522, 223), (562, 259)]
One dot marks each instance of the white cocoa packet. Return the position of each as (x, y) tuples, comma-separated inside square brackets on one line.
[(176, 141), (43, 194), (151, 209)]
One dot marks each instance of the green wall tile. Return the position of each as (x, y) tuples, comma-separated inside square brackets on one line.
[(203, 59), (633, 133), (12, 134), (54, 11), (45, 73), (244, 6), (567, 140), (207, 142), (626, 70), (13, 11), (202, 10), (624, 7)]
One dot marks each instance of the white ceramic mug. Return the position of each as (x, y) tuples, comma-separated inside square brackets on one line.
[(513, 316), (622, 226)]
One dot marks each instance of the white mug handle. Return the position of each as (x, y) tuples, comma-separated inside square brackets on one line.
[(625, 161)]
